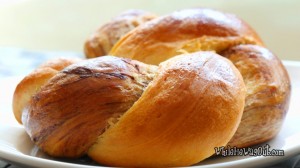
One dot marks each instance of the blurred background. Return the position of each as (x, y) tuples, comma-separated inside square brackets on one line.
[(63, 25)]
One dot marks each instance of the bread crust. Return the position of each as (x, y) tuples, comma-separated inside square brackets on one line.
[(200, 29), (75, 106), (268, 94), (112, 108), (166, 36), (103, 39), (32, 83), (173, 123), (123, 112)]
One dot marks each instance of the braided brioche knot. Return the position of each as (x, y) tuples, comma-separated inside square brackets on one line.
[(181, 85)]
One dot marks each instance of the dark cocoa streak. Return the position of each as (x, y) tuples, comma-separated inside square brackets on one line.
[(86, 73), (81, 71), (99, 90), (143, 85), (146, 83), (67, 139), (69, 82), (135, 66), (73, 129), (129, 76), (117, 75), (116, 103), (127, 61), (43, 134), (36, 97), (62, 86)]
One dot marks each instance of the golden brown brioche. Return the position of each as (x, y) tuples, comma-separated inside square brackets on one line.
[(199, 29), (126, 113), (268, 94), (186, 30), (174, 123), (101, 42), (72, 109), (33, 82), (122, 112)]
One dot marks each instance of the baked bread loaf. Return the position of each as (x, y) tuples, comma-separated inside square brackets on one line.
[(201, 29), (189, 82), (101, 42), (112, 109)]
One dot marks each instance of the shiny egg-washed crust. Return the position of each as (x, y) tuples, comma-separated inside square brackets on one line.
[(184, 31), (268, 94), (73, 108), (101, 42), (173, 123), (122, 112), (112, 109), (199, 29), (32, 83)]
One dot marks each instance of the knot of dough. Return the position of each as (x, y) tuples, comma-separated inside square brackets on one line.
[(123, 112), (199, 29), (112, 109)]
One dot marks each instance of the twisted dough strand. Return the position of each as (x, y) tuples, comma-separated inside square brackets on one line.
[(123, 112), (191, 30)]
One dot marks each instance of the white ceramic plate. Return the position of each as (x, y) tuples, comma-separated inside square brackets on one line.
[(16, 147)]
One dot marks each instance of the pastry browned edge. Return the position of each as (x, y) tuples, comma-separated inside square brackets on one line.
[(188, 82), (104, 38)]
